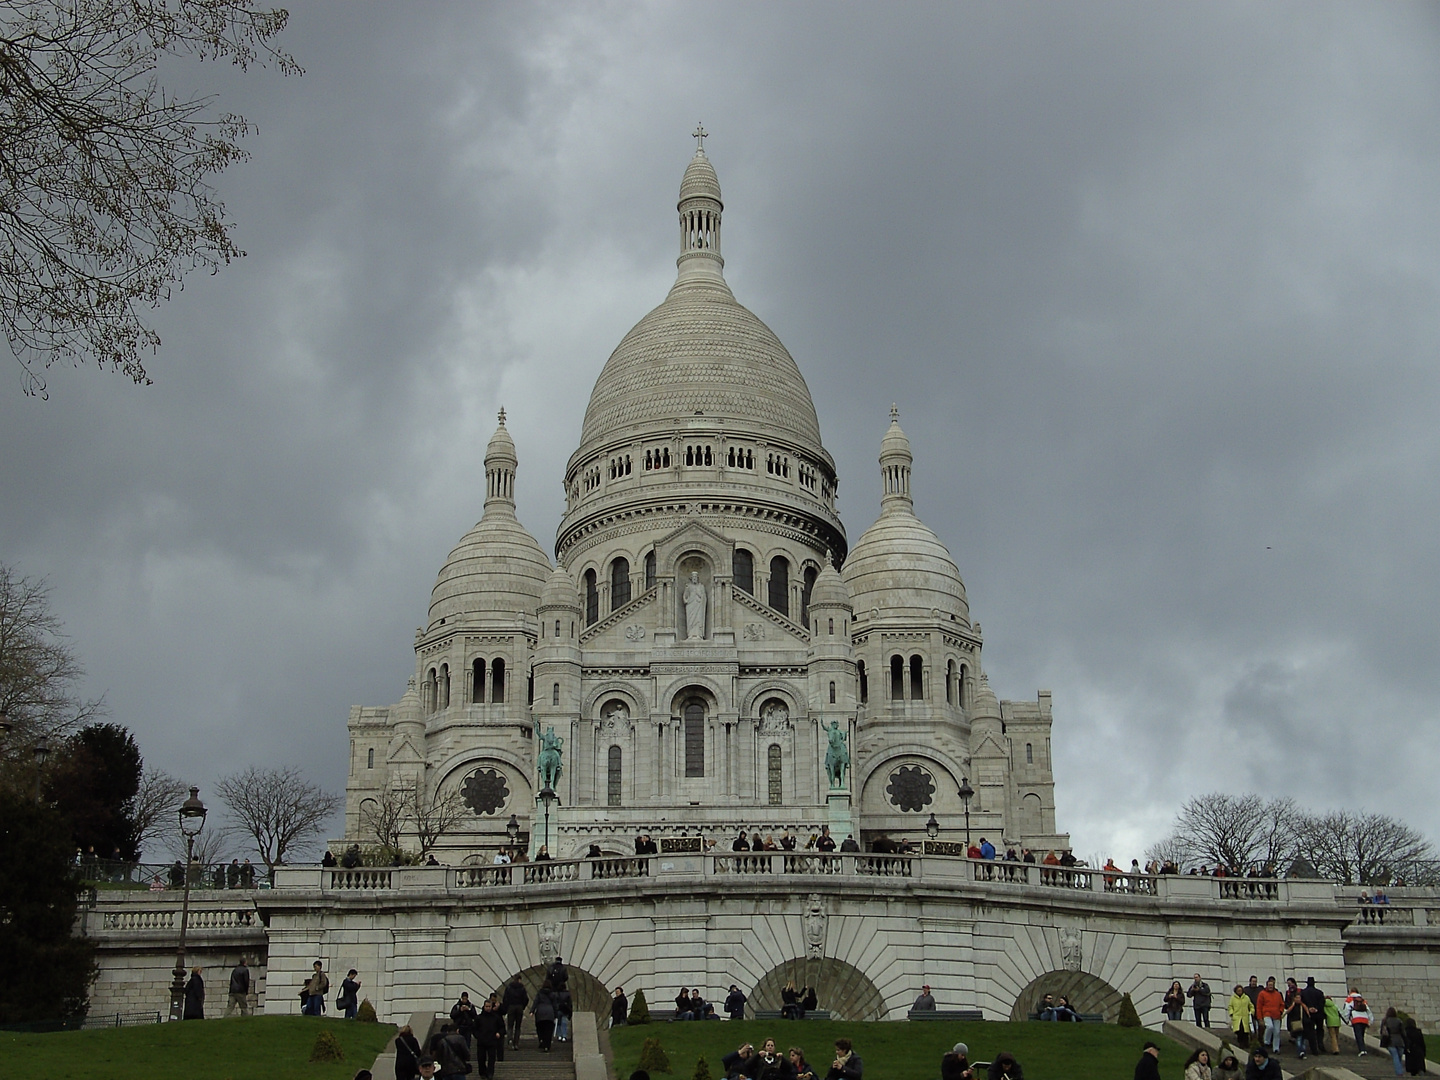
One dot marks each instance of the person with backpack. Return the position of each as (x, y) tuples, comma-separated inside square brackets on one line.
[(452, 1056), (1357, 1014), (514, 1002), (348, 1000), (1392, 1038), (564, 1007)]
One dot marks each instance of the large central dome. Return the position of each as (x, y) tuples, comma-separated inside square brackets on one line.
[(701, 352)]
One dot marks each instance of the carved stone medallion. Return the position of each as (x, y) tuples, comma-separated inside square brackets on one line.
[(485, 791), (815, 922), (911, 788)]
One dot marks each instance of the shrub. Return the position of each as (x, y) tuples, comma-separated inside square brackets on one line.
[(327, 1048), (702, 1070), (639, 1011), (366, 1013), (653, 1058), (1129, 1018)]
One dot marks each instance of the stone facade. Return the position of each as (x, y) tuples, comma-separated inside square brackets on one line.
[(708, 633)]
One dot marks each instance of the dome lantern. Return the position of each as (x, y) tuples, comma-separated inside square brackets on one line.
[(500, 465), (895, 462), (700, 208)]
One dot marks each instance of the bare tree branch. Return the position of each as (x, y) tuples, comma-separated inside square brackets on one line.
[(435, 814), (278, 809), (105, 203), (1236, 831), (383, 819), (1365, 849), (156, 803)]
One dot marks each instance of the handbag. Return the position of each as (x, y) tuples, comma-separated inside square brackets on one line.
[(1385, 1039)]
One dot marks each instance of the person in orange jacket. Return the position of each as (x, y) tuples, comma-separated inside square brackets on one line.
[(1269, 1008)]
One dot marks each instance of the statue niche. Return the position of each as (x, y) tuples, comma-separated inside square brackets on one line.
[(694, 590)]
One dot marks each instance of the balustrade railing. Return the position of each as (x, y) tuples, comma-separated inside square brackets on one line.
[(169, 919), (360, 879)]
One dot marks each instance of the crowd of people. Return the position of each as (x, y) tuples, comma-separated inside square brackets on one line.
[(768, 1063), (1308, 1017)]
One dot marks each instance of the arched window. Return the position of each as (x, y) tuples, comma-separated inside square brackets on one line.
[(557, 628), (864, 683), (917, 678), (780, 584), (744, 566), (773, 773), (612, 777), (497, 680), (530, 687), (810, 575), (1029, 754), (429, 692), (370, 758), (831, 631), (555, 694), (694, 739), (619, 583), (950, 682), (649, 570), (592, 599), (960, 689), (897, 678), (477, 681), (444, 686), (832, 691)]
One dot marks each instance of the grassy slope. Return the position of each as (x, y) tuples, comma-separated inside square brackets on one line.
[(249, 1048), (910, 1051)]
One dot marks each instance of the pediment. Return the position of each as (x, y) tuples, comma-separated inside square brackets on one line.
[(759, 625), (989, 747), (404, 752), (695, 534)]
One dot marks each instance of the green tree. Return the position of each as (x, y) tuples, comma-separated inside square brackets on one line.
[(653, 1058), (105, 200), (1129, 1017), (702, 1070), (94, 784), (639, 1010), (48, 969)]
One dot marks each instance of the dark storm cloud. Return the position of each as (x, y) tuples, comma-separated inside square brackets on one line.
[(1154, 289)]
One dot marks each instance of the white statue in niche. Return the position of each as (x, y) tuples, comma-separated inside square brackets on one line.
[(694, 598)]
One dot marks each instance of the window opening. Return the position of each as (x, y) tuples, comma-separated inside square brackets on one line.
[(774, 775), (743, 564), (619, 583), (555, 694), (780, 584), (612, 777), (592, 599), (477, 682), (897, 678), (832, 693), (917, 679), (650, 570), (497, 681), (370, 758), (864, 683), (694, 739)]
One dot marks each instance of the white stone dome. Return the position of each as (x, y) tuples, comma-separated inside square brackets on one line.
[(829, 589), (700, 180), (899, 566), (498, 569), (560, 591)]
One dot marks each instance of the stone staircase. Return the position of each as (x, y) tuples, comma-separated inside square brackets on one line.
[(1346, 1065), (528, 1063)]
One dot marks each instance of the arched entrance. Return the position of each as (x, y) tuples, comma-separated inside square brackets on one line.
[(840, 987), (1087, 993), (587, 993)]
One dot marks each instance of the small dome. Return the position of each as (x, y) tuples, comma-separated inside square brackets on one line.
[(829, 589), (501, 448), (900, 566), (497, 568), (700, 180), (985, 704), (560, 591)]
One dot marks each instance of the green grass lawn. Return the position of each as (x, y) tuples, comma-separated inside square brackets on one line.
[(900, 1050), (243, 1048)]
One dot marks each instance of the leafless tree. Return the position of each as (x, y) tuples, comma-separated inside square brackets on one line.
[(279, 809), (212, 845), (383, 818), (435, 814), (1234, 831), (105, 202), (156, 803), (1357, 848), (38, 667)]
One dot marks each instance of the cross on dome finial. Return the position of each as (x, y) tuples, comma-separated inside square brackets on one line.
[(894, 412), (700, 136), (502, 415)]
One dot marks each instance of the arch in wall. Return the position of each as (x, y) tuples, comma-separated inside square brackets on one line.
[(842, 988), (750, 704), (587, 993), (1087, 993)]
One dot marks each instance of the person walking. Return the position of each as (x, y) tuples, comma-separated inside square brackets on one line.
[(1173, 1004), (564, 1006), (451, 1054), (620, 1008), (1312, 1015), (489, 1037), (239, 990), (1392, 1037), (515, 1001), (1200, 997), (1240, 1011), (195, 997), (1332, 1025), (1270, 1006), (407, 1054), (462, 1015), (316, 987), (543, 1009), (1357, 1013), (1294, 1019), (349, 998), (1414, 1048)]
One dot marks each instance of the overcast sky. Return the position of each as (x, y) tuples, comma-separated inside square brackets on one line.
[(1154, 287)]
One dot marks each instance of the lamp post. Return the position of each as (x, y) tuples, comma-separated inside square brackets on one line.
[(192, 820), (932, 827), (547, 796), (966, 793), (512, 829), (42, 753)]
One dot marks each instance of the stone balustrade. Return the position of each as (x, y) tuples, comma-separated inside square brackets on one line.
[(930, 869)]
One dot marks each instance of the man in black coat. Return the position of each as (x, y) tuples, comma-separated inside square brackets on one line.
[(1199, 994), (514, 1004), (740, 1063), (1262, 1066), (489, 1038), (1312, 1015), (450, 1053), (1148, 1067), (847, 1064), (735, 1003), (239, 990), (462, 1015)]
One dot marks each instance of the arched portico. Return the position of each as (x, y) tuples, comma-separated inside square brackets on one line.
[(1086, 993), (842, 988), (587, 993)]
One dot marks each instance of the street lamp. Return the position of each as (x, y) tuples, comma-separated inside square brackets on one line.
[(932, 827), (192, 820), (512, 828), (966, 793), (42, 753), (547, 796)]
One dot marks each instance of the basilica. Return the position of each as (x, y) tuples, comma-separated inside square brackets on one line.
[(708, 654)]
